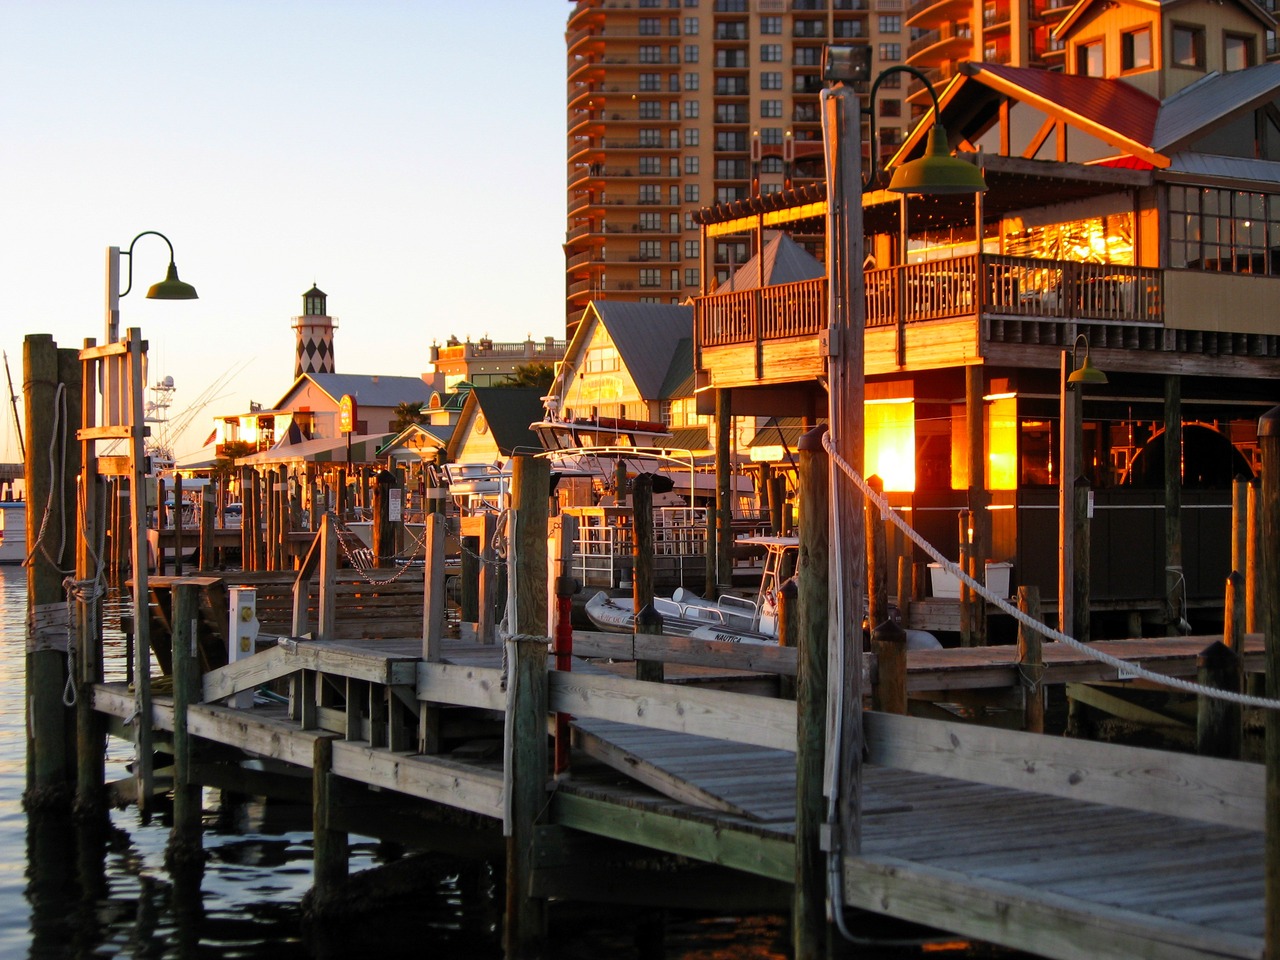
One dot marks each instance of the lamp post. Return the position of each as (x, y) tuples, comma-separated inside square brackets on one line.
[(124, 380), (1073, 564), (843, 348)]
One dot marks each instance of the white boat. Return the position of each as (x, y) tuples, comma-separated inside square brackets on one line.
[(13, 532), (731, 619)]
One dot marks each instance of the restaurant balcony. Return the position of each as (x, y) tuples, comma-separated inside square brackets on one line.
[(931, 315)]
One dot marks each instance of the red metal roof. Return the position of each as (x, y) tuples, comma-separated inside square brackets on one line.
[(1108, 103)]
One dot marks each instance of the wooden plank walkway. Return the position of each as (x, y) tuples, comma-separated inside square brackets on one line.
[(964, 828)]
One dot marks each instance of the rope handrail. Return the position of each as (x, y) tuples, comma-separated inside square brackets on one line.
[(1134, 670)]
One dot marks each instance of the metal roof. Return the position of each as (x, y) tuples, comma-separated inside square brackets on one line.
[(1242, 170), (369, 390), (646, 336), (680, 381), (1198, 109), (785, 261), (509, 411)]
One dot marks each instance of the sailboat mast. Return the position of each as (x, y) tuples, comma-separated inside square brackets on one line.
[(13, 402)]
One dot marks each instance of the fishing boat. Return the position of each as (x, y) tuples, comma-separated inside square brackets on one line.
[(13, 532)]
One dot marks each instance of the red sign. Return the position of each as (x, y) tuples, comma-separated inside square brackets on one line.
[(347, 414)]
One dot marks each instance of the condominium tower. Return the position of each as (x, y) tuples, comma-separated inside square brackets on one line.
[(675, 105)]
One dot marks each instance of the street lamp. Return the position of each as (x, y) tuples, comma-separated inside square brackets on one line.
[(1073, 563), (170, 288), (842, 345)]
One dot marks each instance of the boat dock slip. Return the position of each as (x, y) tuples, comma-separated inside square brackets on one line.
[(1059, 847)]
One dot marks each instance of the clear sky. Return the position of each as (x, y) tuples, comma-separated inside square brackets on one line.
[(405, 155)]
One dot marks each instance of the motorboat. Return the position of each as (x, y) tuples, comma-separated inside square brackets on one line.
[(13, 532)]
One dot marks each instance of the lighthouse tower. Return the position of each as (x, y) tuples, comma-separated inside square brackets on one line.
[(315, 334)]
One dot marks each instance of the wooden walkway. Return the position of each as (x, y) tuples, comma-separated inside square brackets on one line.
[(1058, 847)]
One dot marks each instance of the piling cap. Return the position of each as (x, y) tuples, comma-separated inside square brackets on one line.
[(811, 440), (1269, 423)]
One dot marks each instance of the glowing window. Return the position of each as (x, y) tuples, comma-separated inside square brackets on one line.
[(890, 450)]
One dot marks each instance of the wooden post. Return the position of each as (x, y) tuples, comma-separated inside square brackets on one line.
[(527, 556), (488, 586), (966, 595), (177, 526), (1239, 523), (648, 621), (330, 849), (340, 505), (184, 835), (525, 771), (49, 768), (1173, 499), (808, 906), (1031, 661), (1081, 599), (207, 510), (1254, 567), (724, 495), (979, 515), (788, 629), (877, 575), (905, 595), (777, 504), (90, 731), (143, 760), (889, 644), (383, 534), (256, 538), (1218, 723), (432, 623), (1269, 441)]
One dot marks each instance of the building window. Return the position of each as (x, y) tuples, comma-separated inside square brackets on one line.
[(650, 53), (690, 26), (650, 81), (771, 26), (691, 137), (650, 27), (650, 277), (691, 165), (1089, 60), (650, 193), (690, 276), (1228, 231), (771, 108), (771, 135), (771, 53), (890, 24), (688, 217), (890, 53), (691, 249), (650, 249), (771, 165), (809, 28), (1188, 47), (892, 81), (651, 166), (771, 80), (1237, 51), (807, 56), (691, 53), (651, 222), (691, 109), (691, 81), (1135, 50), (890, 108)]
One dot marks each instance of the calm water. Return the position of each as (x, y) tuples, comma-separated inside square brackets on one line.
[(64, 898)]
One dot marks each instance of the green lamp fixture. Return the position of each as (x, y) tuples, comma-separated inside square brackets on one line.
[(937, 172), (170, 288), (1087, 373)]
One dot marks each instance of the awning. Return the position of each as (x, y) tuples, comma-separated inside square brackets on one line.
[(322, 450)]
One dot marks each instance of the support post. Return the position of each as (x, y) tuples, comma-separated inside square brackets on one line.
[(184, 835), (724, 495), (877, 574), (648, 621), (808, 907), (964, 562), (1218, 723), (525, 771), (1269, 440), (143, 760), (91, 571), (330, 848), (1031, 661), (432, 624), (383, 533), (1173, 500), (1081, 599)]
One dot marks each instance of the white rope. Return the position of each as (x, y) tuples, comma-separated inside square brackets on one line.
[(1129, 669)]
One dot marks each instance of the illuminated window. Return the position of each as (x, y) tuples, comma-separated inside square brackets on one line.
[(891, 442), (1000, 437)]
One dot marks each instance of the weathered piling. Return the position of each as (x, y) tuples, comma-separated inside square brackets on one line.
[(50, 762), (330, 849), (808, 910), (877, 574), (383, 532), (90, 803), (184, 835), (648, 621), (1269, 441), (432, 623), (966, 594), (1031, 661)]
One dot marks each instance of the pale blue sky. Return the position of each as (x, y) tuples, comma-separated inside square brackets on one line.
[(406, 155)]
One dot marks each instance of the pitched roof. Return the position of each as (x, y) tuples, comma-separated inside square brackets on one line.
[(646, 336), (508, 411), (370, 390), (680, 381), (1217, 98), (785, 261)]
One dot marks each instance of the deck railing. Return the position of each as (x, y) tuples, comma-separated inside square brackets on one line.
[(974, 285)]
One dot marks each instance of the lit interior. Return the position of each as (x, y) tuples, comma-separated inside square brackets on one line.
[(890, 451)]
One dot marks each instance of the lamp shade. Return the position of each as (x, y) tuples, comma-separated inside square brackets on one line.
[(1087, 373), (171, 288), (937, 171)]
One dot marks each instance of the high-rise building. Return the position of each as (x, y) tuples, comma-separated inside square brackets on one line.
[(676, 105)]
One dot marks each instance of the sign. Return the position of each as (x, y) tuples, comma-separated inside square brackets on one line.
[(394, 511), (347, 414)]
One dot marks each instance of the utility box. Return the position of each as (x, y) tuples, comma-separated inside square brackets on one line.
[(946, 586), (242, 633)]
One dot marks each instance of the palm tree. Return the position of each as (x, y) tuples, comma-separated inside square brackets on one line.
[(407, 413), (538, 375)]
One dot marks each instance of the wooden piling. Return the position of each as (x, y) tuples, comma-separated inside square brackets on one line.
[(877, 574), (808, 909), (178, 531), (432, 623), (1080, 566), (330, 850), (383, 533), (1218, 723), (1173, 500), (1031, 661), (49, 768), (185, 833), (966, 595), (1269, 441), (724, 494), (208, 552), (648, 621), (91, 571), (788, 629)]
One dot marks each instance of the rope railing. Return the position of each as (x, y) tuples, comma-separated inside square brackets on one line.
[(1133, 670)]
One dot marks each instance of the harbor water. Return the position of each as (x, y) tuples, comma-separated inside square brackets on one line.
[(65, 895)]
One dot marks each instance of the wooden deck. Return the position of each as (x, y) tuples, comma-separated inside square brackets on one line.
[(1058, 847)]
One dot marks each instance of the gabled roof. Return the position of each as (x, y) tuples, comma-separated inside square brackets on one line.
[(785, 261), (507, 410), (371, 390), (417, 437), (1211, 101), (1076, 13), (680, 381), (646, 336)]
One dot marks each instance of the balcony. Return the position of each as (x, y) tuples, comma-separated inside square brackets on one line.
[(948, 42), (930, 315)]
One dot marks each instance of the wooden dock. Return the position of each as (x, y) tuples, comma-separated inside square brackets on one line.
[(1058, 847)]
